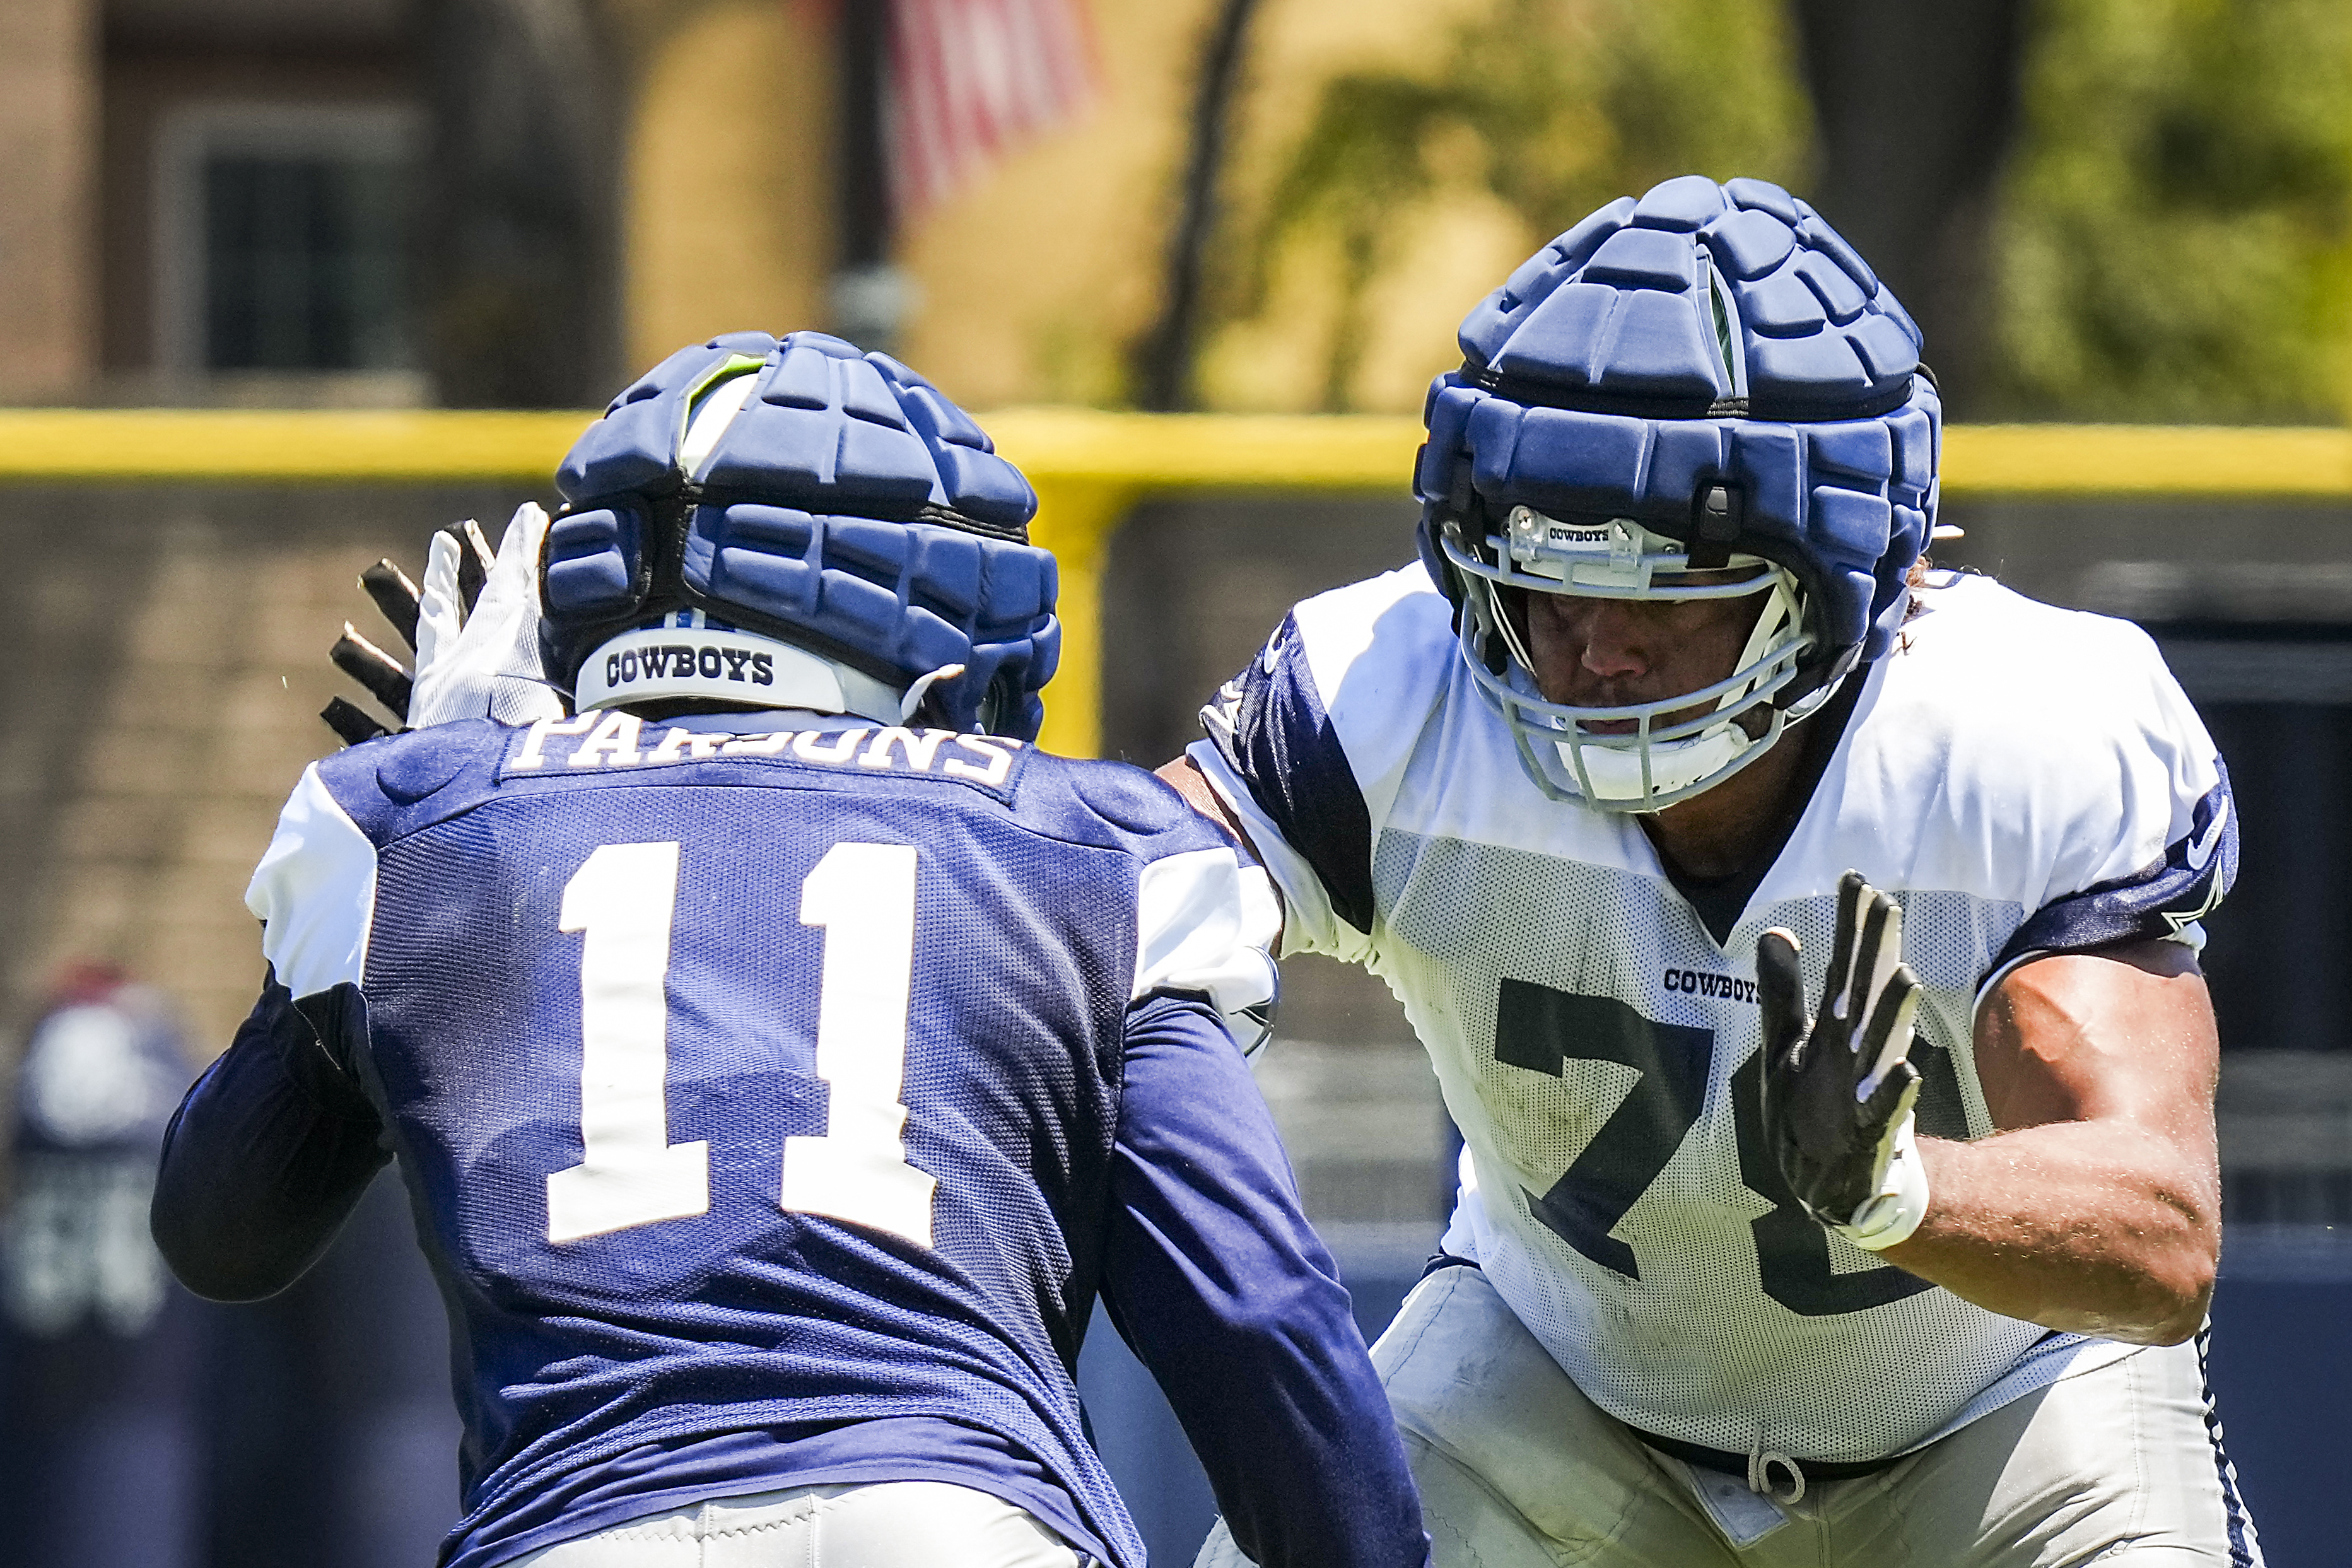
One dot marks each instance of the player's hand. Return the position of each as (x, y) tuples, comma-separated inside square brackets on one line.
[(473, 627), (400, 600), (479, 657), (1839, 1088)]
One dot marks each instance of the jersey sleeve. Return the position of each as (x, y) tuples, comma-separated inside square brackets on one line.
[(2151, 847), (314, 891), (1205, 926), (273, 1144), (1308, 745), (268, 1154), (1215, 1280)]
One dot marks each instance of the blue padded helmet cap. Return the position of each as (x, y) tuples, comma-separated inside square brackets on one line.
[(848, 508), (633, 447), (1697, 298), (1704, 336), (826, 424), (1685, 204)]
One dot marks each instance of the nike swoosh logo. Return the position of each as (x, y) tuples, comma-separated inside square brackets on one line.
[(2200, 849)]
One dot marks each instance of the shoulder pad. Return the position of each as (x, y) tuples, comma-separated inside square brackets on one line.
[(396, 784), (1113, 803)]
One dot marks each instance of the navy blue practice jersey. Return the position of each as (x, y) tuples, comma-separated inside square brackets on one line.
[(773, 1106)]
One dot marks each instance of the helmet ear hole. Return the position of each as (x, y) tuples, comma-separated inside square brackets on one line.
[(1000, 704)]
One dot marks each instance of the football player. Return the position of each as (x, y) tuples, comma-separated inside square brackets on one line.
[(1807, 1216), (781, 1053)]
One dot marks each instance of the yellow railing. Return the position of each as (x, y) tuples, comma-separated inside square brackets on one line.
[(1089, 469)]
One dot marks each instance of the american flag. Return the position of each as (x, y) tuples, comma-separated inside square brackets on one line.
[(971, 80)]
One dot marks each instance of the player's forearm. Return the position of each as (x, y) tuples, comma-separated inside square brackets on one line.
[(2099, 1210), (2081, 1226), (1213, 1277), (256, 1173)]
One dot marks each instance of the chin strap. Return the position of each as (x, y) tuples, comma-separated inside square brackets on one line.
[(922, 688)]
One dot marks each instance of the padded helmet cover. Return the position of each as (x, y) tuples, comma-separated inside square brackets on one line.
[(1704, 336), (849, 508)]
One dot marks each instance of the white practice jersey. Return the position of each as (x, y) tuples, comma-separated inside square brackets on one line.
[(2023, 778)]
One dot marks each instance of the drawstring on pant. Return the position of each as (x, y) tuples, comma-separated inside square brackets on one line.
[(1760, 1463)]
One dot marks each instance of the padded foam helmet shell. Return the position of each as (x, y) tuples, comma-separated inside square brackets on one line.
[(849, 507), (1622, 308), (1704, 336)]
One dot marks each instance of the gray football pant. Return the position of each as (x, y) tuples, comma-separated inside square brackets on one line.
[(885, 1524), (1518, 1469)]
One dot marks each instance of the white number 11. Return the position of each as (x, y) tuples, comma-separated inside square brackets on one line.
[(624, 898)]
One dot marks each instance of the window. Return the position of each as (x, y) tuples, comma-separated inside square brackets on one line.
[(284, 234)]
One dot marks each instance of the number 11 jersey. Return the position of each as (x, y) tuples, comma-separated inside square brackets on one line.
[(774, 1104)]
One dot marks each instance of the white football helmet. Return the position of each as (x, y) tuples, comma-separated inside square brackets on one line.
[(1679, 745)]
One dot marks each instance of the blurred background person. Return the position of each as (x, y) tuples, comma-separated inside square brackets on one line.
[(141, 1426), (98, 1347)]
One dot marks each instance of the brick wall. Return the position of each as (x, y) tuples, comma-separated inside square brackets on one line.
[(49, 165), (168, 660)]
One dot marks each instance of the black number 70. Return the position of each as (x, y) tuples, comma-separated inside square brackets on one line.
[(1541, 1029)]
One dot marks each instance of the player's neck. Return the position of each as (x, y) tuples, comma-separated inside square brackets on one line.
[(1719, 833)]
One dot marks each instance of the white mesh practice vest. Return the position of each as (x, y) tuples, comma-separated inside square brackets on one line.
[(1597, 1046)]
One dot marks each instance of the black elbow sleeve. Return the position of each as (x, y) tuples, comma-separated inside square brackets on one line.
[(264, 1159)]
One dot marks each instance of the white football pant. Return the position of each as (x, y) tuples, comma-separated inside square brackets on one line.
[(885, 1524), (1518, 1469)]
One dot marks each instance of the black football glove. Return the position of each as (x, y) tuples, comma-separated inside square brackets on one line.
[(1838, 1090), (400, 600)]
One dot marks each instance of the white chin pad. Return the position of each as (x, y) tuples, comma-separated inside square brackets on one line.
[(1616, 775)]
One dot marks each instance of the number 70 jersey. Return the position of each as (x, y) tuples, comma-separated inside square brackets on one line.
[(2025, 780), (751, 1083)]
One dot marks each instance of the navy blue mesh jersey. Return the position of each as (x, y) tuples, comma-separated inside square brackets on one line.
[(774, 1103)]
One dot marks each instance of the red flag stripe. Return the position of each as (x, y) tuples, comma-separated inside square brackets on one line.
[(971, 80)]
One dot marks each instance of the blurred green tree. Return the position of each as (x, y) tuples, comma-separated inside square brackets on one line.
[(2171, 237), (1555, 105), (2176, 232)]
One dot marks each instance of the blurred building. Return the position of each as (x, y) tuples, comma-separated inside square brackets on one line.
[(307, 201), (203, 191)]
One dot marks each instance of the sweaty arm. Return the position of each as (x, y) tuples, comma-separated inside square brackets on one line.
[(2096, 1207), (265, 1157), (1214, 1280)]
